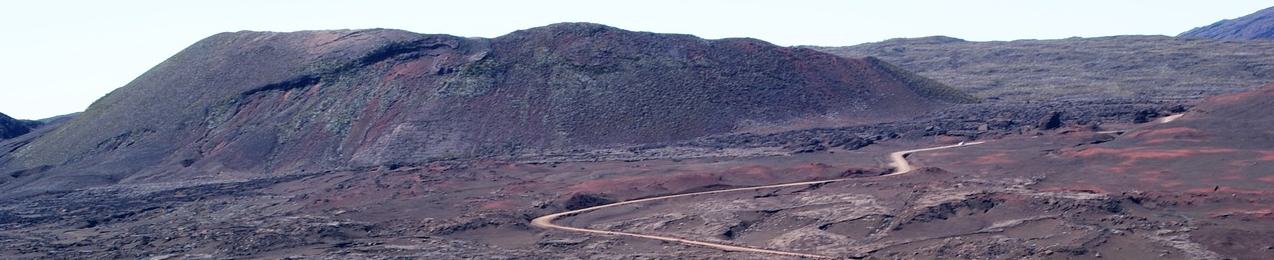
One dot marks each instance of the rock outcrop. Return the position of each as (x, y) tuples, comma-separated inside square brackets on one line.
[(1051, 121)]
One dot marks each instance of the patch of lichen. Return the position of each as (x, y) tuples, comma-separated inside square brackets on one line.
[(470, 79)]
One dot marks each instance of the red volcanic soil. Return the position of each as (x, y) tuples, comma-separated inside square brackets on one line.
[(1213, 147), (996, 158), (1166, 135)]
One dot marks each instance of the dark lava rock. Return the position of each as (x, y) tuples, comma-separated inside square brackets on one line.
[(563, 242), (934, 130), (930, 171), (856, 172), (583, 200), (807, 146), (997, 125), (1258, 25), (1051, 121), (944, 211), (851, 143), (1144, 116), (1000, 124), (1099, 138)]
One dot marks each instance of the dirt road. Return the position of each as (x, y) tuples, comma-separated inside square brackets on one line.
[(897, 159), (1161, 120), (1169, 118)]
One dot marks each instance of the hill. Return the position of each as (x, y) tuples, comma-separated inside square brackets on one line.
[(10, 127), (1136, 67), (244, 104), (1255, 26)]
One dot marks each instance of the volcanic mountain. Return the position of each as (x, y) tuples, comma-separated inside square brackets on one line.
[(251, 103), (1258, 25)]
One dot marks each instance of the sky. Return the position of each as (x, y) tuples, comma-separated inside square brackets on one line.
[(57, 57)]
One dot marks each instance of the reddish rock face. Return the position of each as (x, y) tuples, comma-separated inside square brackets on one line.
[(251, 103)]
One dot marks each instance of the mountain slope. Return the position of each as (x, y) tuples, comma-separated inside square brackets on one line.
[(10, 127), (1258, 25), (251, 103), (1142, 67)]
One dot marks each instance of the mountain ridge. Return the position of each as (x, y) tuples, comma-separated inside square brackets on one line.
[(1133, 67), (1258, 25)]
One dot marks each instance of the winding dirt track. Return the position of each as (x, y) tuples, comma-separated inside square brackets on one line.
[(897, 159), (1161, 120), (1169, 118)]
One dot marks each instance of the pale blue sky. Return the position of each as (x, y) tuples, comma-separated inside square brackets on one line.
[(60, 56)]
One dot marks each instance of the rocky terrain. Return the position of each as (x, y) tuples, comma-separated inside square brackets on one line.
[(482, 208), (1255, 26), (1196, 187), (380, 144), (1138, 67), (1211, 169)]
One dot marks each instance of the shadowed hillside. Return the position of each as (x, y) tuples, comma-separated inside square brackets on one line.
[(10, 127)]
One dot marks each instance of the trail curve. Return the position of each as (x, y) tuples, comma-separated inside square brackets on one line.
[(897, 159)]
